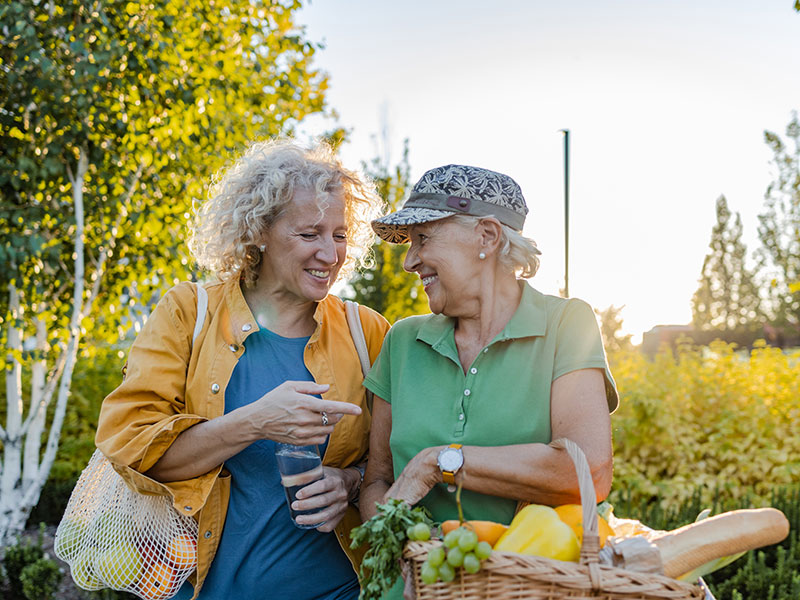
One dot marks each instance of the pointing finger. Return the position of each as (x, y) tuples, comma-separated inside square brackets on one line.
[(308, 387), (332, 407)]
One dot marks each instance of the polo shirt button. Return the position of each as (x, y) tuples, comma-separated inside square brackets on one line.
[(233, 347), (473, 370), (207, 534), (247, 327), (485, 350), (461, 417), (214, 388), (467, 392)]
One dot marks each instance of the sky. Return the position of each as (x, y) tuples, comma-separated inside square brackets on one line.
[(666, 103)]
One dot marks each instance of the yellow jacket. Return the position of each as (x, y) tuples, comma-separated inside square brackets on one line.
[(171, 385)]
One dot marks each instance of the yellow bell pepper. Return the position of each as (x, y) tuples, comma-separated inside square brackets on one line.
[(537, 530)]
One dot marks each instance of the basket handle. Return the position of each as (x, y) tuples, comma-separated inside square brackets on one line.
[(590, 547)]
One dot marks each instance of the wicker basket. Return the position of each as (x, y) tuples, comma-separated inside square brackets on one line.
[(510, 576)]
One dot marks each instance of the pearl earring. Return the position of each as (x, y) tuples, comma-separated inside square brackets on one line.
[(482, 255), (263, 247)]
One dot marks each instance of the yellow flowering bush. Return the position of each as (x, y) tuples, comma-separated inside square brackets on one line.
[(712, 417)]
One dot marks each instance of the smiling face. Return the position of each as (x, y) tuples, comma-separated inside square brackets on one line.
[(445, 256), (305, 247)]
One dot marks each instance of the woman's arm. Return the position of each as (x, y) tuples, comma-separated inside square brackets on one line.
[(287, 414), (379, 475), (535, 473)]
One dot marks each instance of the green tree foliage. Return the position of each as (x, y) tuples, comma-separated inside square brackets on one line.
[(611, 330), (386, 287), (727, 297), (779, 227), (155, 96), (113, 115)]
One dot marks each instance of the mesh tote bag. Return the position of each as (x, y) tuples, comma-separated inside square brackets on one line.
[(114, 537)]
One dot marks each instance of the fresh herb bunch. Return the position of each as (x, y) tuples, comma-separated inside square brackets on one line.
[(386, 534)]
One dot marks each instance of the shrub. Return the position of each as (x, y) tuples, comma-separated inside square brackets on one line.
[(711, 419), (29, 572), (40, 579), (764, 577), (16, 558), (771, 573)]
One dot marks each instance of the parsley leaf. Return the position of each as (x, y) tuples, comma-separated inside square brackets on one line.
[(386, 535)]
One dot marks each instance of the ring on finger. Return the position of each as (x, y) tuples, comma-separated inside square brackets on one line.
[(324, 418)]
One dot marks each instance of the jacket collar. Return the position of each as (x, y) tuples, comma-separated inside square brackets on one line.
[(319, 317), (242, 321)]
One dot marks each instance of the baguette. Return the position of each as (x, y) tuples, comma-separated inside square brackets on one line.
[(684, 549)]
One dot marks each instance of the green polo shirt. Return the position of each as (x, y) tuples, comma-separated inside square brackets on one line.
[(504, 397)]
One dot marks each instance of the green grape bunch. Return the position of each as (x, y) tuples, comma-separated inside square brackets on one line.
[(459, 549)]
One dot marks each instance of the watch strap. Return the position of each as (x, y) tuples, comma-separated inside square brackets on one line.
[(449, 477)]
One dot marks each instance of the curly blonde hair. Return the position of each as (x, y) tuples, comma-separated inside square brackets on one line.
[(246, 198)]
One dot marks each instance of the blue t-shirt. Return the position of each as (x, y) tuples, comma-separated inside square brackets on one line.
[(261, 552)]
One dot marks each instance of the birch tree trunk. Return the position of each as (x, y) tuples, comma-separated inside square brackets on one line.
[(21, 483), (11, 435), (38, 409)]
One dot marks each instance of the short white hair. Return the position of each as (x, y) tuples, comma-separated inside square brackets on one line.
[(518, 253)]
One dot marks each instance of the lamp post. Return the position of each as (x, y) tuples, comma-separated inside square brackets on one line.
[(566, 212)]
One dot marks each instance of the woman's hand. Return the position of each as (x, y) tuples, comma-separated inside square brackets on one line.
[(288, 414), (328, 497), (418, 478), (291, 415)]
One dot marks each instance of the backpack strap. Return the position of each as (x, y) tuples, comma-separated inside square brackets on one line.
[(360, 342), (202, 309)]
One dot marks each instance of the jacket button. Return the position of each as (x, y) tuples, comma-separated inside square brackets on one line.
[(233, 347), (214, 388), (207, 534), (247, 327)]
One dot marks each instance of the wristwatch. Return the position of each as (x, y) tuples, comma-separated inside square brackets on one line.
[(450, 460)]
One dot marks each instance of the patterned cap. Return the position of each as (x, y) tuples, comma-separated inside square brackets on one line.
[(455, 190)]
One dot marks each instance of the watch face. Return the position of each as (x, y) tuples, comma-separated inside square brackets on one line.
[(450, 459)]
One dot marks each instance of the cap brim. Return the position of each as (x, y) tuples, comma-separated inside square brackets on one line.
[(393, 228)]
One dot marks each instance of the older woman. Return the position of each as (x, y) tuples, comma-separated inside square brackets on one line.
[(274, 362), (500, 370)]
